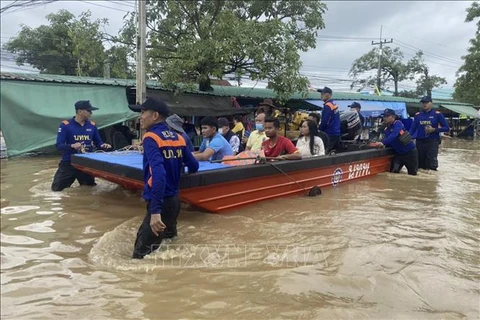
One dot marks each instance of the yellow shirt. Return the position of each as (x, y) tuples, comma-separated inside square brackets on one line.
[(255, 140), (239, 127)]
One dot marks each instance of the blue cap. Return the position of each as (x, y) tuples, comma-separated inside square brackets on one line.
[(426, 99), (388, 112), (84, 105), (152, 104), (355, 105), (325, 90)]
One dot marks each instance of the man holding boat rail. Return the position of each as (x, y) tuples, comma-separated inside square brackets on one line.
[(164, 153), (400, 140), (76, 135)]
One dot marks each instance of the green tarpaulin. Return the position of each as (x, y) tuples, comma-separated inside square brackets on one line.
[(31, 112), (461, 109)]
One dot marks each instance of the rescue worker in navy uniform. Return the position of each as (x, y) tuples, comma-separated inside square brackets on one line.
[(330, 123), (405, 150), (76, 136), (164, 154), (426, 128)]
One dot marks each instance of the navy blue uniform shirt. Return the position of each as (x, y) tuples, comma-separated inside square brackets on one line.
[(164, 153), (330, 123), (70, 132), (391, 138), (432, 118)]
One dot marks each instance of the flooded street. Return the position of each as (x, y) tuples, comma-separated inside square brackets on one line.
[(393, 246)]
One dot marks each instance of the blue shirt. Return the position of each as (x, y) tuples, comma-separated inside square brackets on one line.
[(219, 145), (391, 138), (164, 153), (330, 123), (432, 118), (70, 132)]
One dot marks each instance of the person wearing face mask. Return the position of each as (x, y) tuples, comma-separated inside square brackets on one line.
[(257, 137), (232, 138)]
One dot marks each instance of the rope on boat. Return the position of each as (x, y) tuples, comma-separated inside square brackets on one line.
[(125, 150)]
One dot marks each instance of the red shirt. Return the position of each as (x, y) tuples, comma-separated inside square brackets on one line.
[(283, 146)]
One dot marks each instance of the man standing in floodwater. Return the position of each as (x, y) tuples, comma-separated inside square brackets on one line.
[(164, 153), (75, 136)]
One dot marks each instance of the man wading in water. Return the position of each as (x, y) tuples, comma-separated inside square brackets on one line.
[(164, 153)]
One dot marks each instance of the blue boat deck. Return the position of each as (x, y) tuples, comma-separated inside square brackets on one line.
[(135, 160)]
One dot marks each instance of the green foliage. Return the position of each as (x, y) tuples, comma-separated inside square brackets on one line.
[(193, 41), (426, 82), (467, 86), (68, 46), (392, 68)]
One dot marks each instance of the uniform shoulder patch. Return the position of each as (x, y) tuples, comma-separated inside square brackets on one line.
[(65, 122), (437, 112), (92, 122), (417, 113)]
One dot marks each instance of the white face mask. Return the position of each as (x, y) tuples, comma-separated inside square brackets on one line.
[(220, 130)]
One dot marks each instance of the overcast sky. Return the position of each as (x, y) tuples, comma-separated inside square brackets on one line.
[(436, 27)]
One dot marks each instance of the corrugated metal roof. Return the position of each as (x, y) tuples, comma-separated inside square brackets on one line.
[(222, 91)]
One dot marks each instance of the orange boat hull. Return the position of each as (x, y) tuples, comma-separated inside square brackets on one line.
[(229, 188)]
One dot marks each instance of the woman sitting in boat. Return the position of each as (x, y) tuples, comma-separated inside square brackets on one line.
[(309, 144), (277, 146), (214, 146)]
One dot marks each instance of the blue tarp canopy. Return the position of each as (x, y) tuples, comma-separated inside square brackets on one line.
[(369, 108)]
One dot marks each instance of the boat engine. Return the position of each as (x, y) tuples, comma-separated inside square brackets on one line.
[(350, 125)]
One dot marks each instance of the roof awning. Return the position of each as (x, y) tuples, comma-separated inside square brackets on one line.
[(461, 109)]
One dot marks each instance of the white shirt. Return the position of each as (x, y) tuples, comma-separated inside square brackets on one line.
[(303, 145)]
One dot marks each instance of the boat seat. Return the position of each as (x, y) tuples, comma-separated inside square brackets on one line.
[(119, 141)]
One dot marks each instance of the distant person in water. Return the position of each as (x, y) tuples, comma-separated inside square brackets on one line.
[(164, 154), (76, 135)]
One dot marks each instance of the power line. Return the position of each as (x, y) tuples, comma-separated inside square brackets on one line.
[(409, 36), (122, 3), (432, 54), (101, 5)]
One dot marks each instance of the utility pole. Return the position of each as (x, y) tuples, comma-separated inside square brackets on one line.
[(141, 87), (141, 90), (381, 43)]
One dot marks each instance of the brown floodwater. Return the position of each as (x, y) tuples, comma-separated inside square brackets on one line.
[(393, 246)]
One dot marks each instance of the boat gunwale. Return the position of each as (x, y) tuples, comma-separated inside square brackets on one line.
[(237, 173)]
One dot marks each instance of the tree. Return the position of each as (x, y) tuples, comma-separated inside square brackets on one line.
[(426, 82), (467, 86), (392, 68), (193, 41), (68, 46)]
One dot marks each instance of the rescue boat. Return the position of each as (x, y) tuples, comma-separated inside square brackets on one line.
[(219, 187)]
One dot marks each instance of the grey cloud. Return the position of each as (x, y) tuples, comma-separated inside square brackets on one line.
[(423, 25)]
